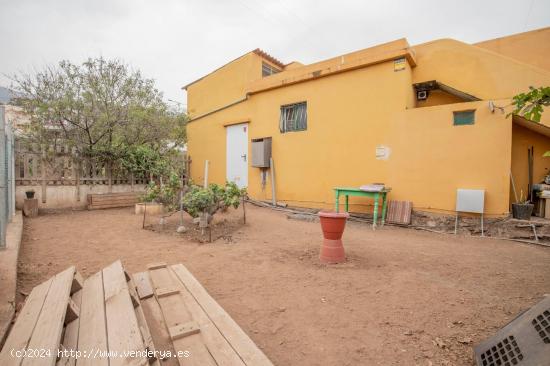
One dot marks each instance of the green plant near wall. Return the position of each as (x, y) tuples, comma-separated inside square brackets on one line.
[(166, 193), (199, 200), (531, 104)]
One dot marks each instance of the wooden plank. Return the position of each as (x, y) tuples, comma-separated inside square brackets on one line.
[(163, 292), (183, 330), (174, 313), (92, 333), (21, 332), (239, 340), (49, 327), (143, 326), (123, 333), (70, 339), (156, 265), (143, 285), (215, 341), (159, 331)]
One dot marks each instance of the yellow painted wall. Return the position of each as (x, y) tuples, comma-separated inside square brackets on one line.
[(351, 113), (474, 70), (523, 139), (530, 47), (438, 97), (224, 86), (429, 158)]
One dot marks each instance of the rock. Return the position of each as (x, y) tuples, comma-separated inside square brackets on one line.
[(431, 223), (438, 342), (162, 221), (465, 340), (408, 333), (181, 229)]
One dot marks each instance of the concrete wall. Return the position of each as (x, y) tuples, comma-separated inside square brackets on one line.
[(207, 94), (351, 113), (64, 197), (530, 47), (474, 70)]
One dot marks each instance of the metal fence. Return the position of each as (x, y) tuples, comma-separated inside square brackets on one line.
[(7, 174)]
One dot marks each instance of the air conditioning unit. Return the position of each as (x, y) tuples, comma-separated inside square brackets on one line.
[(421, 94), (261, 152)]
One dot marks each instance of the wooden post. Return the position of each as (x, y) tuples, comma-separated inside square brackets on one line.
[(110, 176), (244, 211), (132, 181), (76, 167), (44, 177)]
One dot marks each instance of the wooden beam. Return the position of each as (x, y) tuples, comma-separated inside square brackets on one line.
[(143, 285), (21, 332), (70, 338), (92, 333), (183, 330), (239, 340), (49, 327), (174, 313), (123, 333)]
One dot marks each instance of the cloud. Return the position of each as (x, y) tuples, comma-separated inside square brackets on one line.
[(177, 41)]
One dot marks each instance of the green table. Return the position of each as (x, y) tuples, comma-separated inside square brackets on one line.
[(346, 191)]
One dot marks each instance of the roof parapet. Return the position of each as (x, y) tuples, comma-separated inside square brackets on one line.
[(351, 61)]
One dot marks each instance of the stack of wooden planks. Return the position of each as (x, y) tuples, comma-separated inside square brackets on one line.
[(98, 201), (45, 322), (162, 316)]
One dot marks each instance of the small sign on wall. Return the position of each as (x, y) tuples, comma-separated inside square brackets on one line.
[(382, 152), (399, 64)]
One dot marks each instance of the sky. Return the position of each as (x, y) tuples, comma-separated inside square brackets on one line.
[(178, 41)]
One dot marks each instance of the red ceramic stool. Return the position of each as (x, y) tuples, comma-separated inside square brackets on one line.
[(333, 225)]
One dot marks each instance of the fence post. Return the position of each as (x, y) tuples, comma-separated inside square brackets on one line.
[(77, 168), (43, 180), (3, 178), (110, 172)]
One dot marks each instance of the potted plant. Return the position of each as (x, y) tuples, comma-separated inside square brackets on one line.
[(522, 209), (29, 194), (333, 225)]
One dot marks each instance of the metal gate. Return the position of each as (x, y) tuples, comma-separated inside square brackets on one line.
[(7, 182)]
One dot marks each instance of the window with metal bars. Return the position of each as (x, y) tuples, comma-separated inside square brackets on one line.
[(293, 117), (267, 69)]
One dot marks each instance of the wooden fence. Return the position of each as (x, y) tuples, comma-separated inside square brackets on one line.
[(58, 167)]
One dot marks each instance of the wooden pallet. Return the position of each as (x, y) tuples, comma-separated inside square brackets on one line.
[(50, 308), (196, 322), (97, 201), (161, 311), (399, 212), (94, 316)]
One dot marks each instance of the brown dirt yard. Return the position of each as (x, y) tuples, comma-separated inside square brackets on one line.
[(405, 297)]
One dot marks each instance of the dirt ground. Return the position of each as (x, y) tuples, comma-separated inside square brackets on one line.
[(405, 297)]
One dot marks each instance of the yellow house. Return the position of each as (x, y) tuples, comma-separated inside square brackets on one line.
[(425, 120)]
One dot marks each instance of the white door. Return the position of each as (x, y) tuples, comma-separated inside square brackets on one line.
[(237, 154)]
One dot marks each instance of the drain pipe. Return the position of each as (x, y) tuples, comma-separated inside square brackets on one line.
[(205, 174), (273, 195)]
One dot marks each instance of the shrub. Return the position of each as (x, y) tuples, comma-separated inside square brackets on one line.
[(167, 194), (212, 199)]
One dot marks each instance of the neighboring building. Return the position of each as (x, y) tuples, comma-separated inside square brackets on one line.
[(417, 118)]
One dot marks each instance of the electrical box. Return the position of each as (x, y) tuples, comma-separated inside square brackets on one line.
[(261, 152)]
